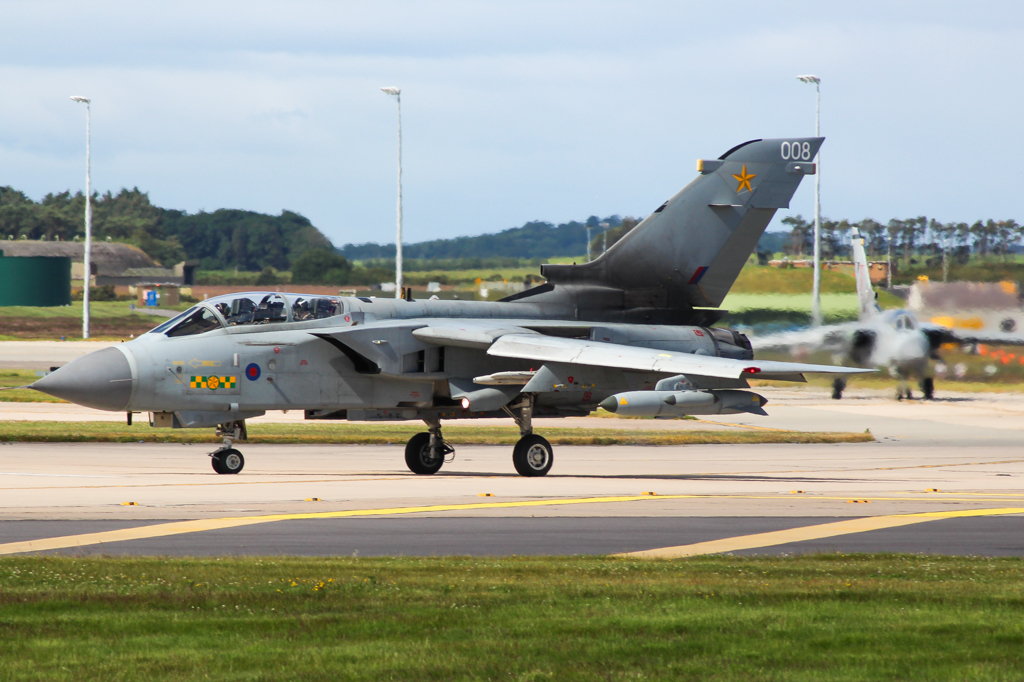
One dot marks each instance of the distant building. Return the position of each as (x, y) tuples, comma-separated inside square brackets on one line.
[(994, 306), (112, 262)]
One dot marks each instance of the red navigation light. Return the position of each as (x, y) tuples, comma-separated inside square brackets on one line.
[(752, 370)]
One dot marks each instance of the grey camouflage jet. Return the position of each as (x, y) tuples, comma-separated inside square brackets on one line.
[(892, 339), (630, 331)]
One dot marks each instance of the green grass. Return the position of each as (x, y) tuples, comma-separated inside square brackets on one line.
[(827, 617), (512, 274), (978, 269), (98, 310), (314, 432), (765, 279), (22, 377), (110, 320)]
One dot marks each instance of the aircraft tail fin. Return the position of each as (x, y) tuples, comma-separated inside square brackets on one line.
[(689, 252), (867, 305)]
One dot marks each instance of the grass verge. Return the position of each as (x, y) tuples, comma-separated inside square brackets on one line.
[(825, 617), (376, 434)]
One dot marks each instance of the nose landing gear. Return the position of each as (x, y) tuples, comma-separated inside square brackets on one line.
[(426, 452), (226, 459)]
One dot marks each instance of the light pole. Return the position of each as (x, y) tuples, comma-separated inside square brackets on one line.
[(816, 293), (604, 237), (397, 92), (88, 213)]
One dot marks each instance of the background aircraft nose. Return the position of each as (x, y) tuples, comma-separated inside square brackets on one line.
[(101, 380)]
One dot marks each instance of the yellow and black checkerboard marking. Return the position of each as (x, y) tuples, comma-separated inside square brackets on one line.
[(213, 382)]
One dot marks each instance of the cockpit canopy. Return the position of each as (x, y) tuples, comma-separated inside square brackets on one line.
[(905, 322), (233, 310)]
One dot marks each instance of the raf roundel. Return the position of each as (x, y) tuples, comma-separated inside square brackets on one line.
[(252, 371)]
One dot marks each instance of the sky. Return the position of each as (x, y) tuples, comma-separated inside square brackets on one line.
[(511, 111)]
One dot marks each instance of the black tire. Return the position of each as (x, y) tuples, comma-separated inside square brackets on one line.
[(228, 461), (928, 388), (533, 456), (418, 457), (838, 386)]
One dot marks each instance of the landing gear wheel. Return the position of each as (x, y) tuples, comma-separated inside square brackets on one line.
[(838, 386), (228, 461), (533, 456), (928, 388), (419, 457)]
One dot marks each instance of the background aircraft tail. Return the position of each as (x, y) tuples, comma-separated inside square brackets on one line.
[(867, 305), (688, 253)]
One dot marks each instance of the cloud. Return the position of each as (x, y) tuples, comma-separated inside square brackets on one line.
[(511, 111)]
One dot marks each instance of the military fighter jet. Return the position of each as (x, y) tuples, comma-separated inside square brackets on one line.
[(893, 339), (630, 330)]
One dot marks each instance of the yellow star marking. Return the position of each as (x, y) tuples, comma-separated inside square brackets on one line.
[(744, 180)]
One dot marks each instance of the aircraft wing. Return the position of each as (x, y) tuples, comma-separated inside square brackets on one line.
[(582, 352), (833, 337), (994, 338)]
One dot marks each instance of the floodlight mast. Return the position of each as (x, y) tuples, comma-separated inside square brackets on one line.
[(397, 93), (88, 213), (816, 293)]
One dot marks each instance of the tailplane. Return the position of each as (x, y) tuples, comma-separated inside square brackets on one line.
[(688, 253), (866, 304)]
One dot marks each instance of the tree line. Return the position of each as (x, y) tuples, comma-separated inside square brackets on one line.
[(222, 239), (533, 240), (910, 243), (908, 237)]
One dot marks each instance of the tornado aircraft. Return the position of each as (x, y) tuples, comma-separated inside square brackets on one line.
[(891, 339), (631, 330)]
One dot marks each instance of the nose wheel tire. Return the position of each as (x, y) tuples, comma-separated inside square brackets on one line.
[(533, 456), (227, 461), (420, 458)]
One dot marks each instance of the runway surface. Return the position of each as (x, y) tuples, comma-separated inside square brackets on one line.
[(45, 354), (943, 477)]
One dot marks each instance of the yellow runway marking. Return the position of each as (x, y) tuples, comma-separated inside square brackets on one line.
[(741, 426), (939, 466), (818, 532), (200, 525)]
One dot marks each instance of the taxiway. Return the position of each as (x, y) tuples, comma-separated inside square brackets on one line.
[(941, 477)]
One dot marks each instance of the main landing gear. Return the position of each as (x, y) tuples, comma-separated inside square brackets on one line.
[(227, 460), (838, 386), (531, 456), (928, 388)]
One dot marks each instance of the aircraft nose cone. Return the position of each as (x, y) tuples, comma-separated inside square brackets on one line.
[(610, 404), (101, 380)]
